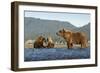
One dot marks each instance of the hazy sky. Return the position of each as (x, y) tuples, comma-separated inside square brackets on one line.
[(77, 19)]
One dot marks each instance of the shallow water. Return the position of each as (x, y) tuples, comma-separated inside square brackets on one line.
[(32, 54)]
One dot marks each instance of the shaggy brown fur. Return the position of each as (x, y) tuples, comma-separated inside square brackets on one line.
[(39, 42), (73, 38)]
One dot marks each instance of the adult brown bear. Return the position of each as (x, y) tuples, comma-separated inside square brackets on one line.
[(73, 38), (39, 42)]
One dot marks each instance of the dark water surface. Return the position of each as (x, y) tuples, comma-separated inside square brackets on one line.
[(55, 54)]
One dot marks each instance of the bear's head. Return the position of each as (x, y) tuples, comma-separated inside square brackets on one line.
[(39, 42), (66, 34), (41, 39), (61, 32)]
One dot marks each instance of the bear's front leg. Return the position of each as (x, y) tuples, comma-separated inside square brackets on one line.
[(70, 45)]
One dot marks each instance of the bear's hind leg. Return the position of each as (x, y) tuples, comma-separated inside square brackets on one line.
[(83, 45), (70, 45)]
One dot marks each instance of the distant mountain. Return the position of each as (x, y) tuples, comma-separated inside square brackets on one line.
[(85, 29), (34, 27)]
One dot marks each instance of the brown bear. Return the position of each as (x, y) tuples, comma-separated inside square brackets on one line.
[(73, 38), (39, 42), (50, 43)]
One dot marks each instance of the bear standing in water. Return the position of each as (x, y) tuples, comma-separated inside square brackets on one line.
[(73, 38)]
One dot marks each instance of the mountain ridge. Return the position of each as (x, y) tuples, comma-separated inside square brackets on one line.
[(34, 27)]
